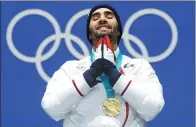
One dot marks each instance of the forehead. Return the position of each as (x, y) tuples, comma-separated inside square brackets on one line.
[(102, 10)]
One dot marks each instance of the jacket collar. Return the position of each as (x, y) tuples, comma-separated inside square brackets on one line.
[(116, 52)]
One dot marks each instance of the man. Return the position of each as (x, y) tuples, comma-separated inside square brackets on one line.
[(105, 88)]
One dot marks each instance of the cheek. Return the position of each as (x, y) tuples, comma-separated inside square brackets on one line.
[(114, 23), (91, 29), (92, 25)]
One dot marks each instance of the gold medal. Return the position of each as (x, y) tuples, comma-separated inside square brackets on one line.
[(112, 107)]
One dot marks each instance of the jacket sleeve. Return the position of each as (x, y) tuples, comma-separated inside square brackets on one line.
[(143, 92), (63, 93)]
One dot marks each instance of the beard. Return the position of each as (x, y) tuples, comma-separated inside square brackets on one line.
[(113, 34)]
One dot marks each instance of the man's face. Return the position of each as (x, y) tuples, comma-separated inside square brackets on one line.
[(102, 22)]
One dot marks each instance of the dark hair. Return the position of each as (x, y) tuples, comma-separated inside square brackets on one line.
[(116, 15)]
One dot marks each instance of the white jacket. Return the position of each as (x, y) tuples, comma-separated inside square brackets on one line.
[(69, 97)]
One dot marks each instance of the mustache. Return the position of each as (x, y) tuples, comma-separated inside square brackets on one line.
[(103, 25)]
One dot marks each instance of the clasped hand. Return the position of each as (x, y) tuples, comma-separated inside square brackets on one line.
[(104, 61)]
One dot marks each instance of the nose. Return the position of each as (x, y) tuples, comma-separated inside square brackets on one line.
[(102, 19)]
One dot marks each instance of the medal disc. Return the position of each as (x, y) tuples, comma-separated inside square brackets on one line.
[(112, 107)]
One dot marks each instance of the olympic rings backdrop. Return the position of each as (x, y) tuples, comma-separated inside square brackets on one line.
[(38, 37)]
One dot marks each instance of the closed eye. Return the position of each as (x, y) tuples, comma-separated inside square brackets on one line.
[(95, 16), (109, 14)]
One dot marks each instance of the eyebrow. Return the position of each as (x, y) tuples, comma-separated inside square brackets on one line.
[(105, 12), (96, 13), (108, 12)]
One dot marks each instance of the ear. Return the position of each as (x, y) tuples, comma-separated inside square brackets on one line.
[(89, 36), (118, 33)]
